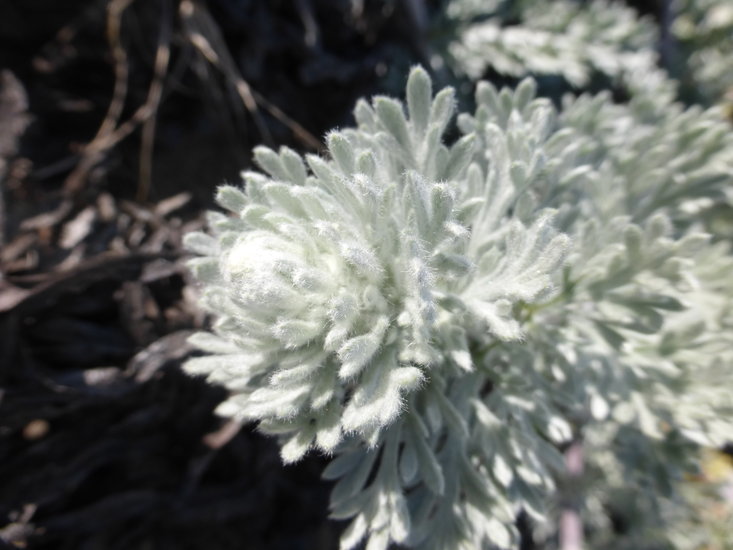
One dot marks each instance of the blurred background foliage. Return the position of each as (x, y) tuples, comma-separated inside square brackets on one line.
[(144, 99)]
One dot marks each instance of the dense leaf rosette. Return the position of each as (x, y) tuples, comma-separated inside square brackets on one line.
[(346, 280), (442, 319)]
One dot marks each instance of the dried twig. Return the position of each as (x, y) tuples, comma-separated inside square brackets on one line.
[(312, 32), (203, 33), (101, 141), (162, 59), (13, 120), (298, 130), (111, 132), (88, 272)]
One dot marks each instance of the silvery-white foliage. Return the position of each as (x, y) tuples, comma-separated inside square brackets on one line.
[(573, 39), (442, 319), (577, 40)]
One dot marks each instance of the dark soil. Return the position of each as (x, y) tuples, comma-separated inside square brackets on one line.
[(111, 144)]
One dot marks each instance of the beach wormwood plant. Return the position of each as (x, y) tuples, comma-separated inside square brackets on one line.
[(442, 320)]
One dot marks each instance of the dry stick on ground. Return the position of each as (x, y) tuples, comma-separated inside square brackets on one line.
[(100, 143), (312, 33), (111, 132), (41, 63), (308, 139), (203, 32), (114, 23), (162, 59), (13, 121)]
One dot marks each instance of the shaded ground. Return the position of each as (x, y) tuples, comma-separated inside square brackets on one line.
[(117, 120)]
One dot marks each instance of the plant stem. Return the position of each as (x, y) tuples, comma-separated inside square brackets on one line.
[(571, 525)]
